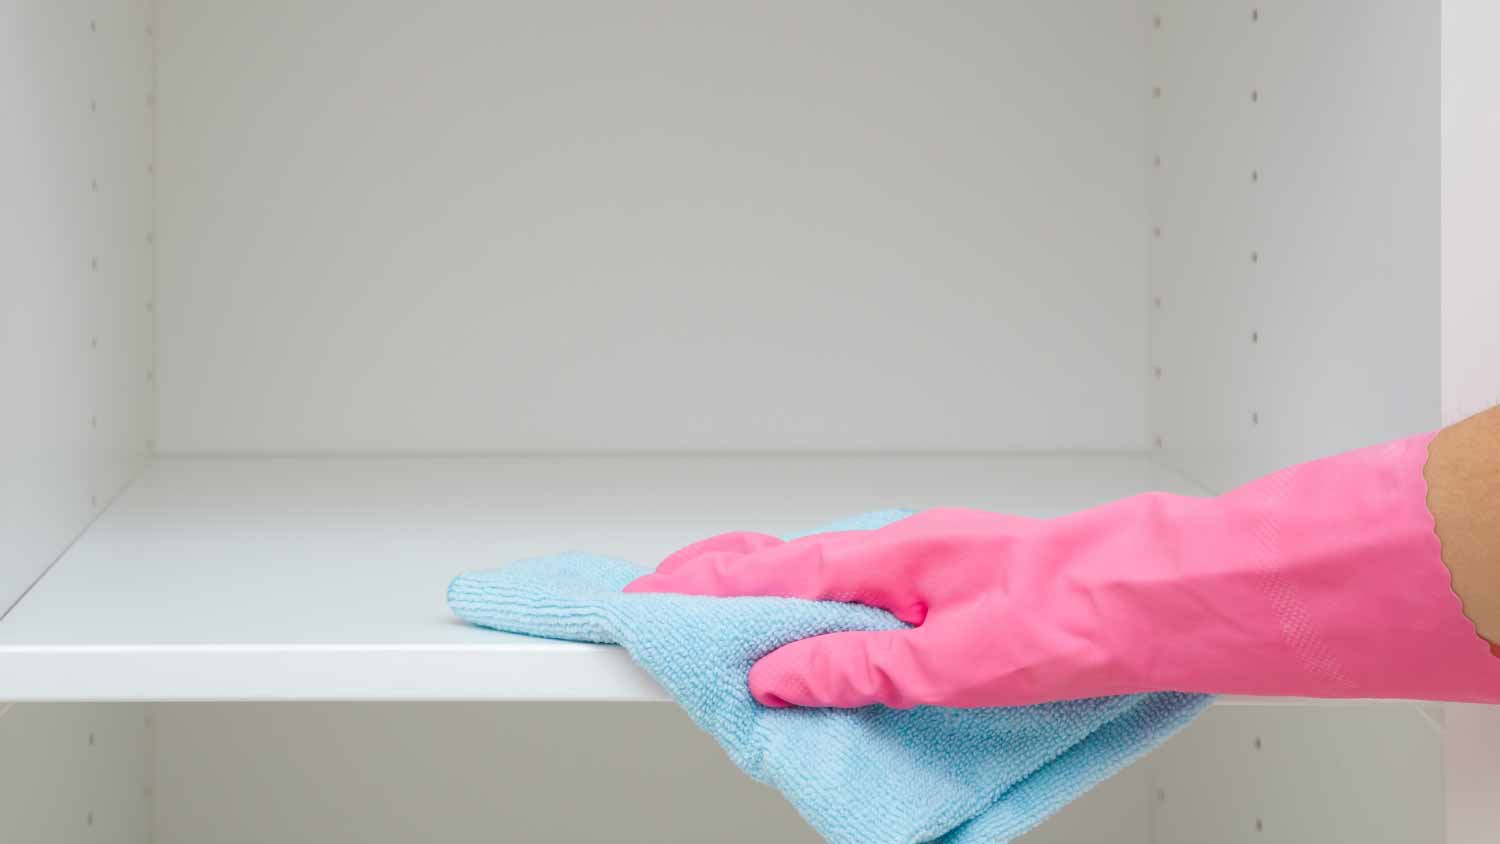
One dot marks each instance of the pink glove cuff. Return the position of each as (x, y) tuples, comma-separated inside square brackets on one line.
[(1328, 580)]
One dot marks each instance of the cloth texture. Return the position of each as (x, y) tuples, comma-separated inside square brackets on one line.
[(874, 775)]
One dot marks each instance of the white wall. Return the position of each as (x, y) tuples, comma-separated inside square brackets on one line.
[(1298, 257), (663, 225)]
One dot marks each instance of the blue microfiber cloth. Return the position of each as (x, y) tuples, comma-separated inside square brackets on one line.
[(874, 775)]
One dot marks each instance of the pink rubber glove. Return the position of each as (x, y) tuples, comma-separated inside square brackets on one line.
[(1324, 580)]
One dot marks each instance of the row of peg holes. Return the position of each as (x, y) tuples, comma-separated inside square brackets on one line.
[(1254, 17), (1260, 824), (1156, 232), (93, 740), (91, 811), (94, 267)]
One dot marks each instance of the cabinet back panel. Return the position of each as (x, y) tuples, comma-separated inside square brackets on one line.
[(544, 772), (663, 225)]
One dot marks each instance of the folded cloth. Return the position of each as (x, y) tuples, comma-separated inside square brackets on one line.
[(873, 775)]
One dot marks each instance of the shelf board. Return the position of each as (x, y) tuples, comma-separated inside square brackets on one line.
[(324, 578)]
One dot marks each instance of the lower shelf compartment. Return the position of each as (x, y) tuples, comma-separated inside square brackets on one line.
[(581, 773)]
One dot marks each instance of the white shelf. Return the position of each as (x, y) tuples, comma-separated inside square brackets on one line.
[(307, 579)]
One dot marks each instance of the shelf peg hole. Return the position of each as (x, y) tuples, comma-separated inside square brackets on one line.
[(1255, 14), (1156, 92), (1259, 825), (1255, 420), (1257, 742), (1254, 96)]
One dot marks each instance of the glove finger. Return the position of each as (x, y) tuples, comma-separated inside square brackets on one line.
[(844, 670), (824, 567)]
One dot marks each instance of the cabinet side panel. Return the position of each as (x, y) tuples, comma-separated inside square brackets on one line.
[(1294, 262), (76, 271), (76, 347), (1348, 772), (1295, 313), (1471, 340), (75, 773), (1471, 208)]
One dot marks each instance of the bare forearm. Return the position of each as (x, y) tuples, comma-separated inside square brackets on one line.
[(1463, 478)]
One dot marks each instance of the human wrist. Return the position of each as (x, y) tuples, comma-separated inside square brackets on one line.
[(1463, 480)]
